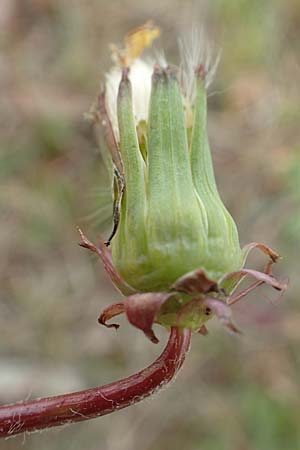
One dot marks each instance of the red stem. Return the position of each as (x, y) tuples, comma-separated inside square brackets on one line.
[(78, 406)]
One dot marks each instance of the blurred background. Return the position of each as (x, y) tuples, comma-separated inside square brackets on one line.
[(234, 392)]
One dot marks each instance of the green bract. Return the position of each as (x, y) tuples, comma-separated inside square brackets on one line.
[(172, 220)]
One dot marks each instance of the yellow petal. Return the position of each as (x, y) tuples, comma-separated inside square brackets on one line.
[(135, 42)]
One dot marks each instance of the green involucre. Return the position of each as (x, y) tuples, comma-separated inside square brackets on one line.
[(172, 218)]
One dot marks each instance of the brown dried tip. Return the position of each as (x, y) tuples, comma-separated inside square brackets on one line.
[(201, 72), (125, 73), (110, 312), (125, 85), (157, 73), (172, 72), (203, 330), (85, 243), (274, 256), (105, 255)]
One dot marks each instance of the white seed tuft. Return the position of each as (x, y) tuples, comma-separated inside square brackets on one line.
[(140, 77), (195, 49)]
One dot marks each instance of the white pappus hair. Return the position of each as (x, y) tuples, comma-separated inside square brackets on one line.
[(140, 76), (195, 49)]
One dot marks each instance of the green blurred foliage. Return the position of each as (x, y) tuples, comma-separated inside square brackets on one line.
[(234, 393)]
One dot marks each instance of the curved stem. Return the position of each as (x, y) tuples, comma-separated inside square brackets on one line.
[(69, 408)]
